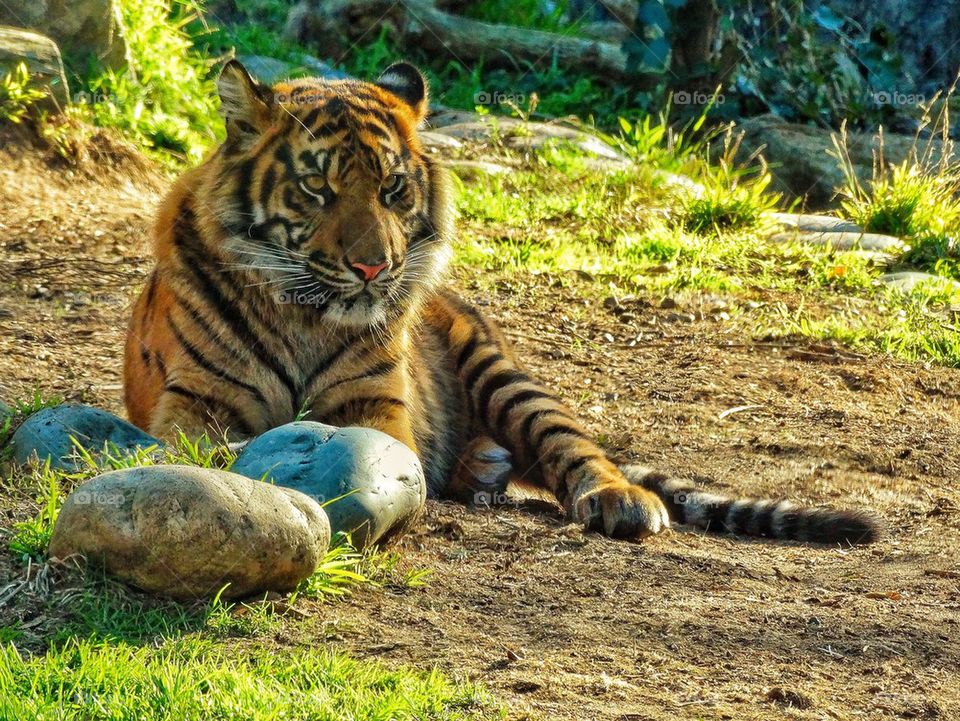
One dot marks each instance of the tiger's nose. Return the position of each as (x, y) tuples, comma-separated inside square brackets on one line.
[(368, 272)]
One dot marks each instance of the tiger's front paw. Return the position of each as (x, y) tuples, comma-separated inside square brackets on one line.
[(621, 510)]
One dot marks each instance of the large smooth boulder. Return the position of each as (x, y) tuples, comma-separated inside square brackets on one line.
[(187, 532), (42, 58), (80, 27), (47, 434), (371, 484), (802, 160)]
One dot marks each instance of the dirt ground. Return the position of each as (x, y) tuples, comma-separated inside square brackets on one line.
[(559, 624)]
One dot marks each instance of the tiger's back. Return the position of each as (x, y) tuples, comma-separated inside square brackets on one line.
[(299, 270)]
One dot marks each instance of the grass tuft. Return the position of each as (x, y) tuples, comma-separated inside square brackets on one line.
[(191, 679)]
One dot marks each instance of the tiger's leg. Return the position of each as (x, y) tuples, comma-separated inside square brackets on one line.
[(482, 473), (371, 400), (547, 443)]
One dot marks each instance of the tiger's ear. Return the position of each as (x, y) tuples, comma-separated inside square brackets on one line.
[(408, 84), (244, 104)]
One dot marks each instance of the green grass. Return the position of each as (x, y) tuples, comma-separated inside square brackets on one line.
[(17, 94), (194, 678), (632, 231), (918, 199), (165, 101)]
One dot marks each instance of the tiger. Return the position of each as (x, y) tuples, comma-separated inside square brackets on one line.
[(299, 270)]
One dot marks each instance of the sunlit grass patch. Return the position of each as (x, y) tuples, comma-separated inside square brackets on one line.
[(910, 326), (196, 679)]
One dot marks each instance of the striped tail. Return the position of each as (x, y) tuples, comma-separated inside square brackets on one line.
[(687, 504)]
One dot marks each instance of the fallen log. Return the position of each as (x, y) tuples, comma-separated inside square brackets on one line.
[(326, 23)]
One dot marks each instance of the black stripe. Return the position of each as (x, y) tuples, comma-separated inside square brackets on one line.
[(497, 381), (518, 399), (790, 524), (376, 130), (196, 317), (529, 451), (291, 201), (232, 317), (151, 289), (323, 365), (380, 369), (211, 367), (558, 429), (209, 403), (469, 347), (355, 407), (479, 368), (266, 186), (741, 518), (577, 463), (283, 155), (242, 190), (158, 359), (764, 521), (715, 516), (145, 355)]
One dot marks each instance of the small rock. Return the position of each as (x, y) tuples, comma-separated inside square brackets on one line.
[(680, 318), (817, 223), (908, 280), (373, 485), (473, 169), (669, 303), (438, 141), (47, 435), (186, 532), (842, 241)]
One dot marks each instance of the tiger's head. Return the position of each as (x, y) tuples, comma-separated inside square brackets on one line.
[(323, 190)]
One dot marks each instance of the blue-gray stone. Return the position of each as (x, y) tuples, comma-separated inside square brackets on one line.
[(371, 484), (270, 70), (47, 435)]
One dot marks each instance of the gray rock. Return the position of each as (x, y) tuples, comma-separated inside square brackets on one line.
[(518, 134), (270, 70), (908, 280), (438, 141), (186, 532), (377, 481), (266, 70), (816, 223), (41, 56), (80, 27), (843, 241), (47, 433), (473, 169), (801, 158)]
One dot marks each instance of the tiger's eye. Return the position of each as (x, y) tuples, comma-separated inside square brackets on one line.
[(314, 185), (394, 182)]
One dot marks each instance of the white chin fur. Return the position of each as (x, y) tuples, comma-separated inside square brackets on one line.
[(364, 312)]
